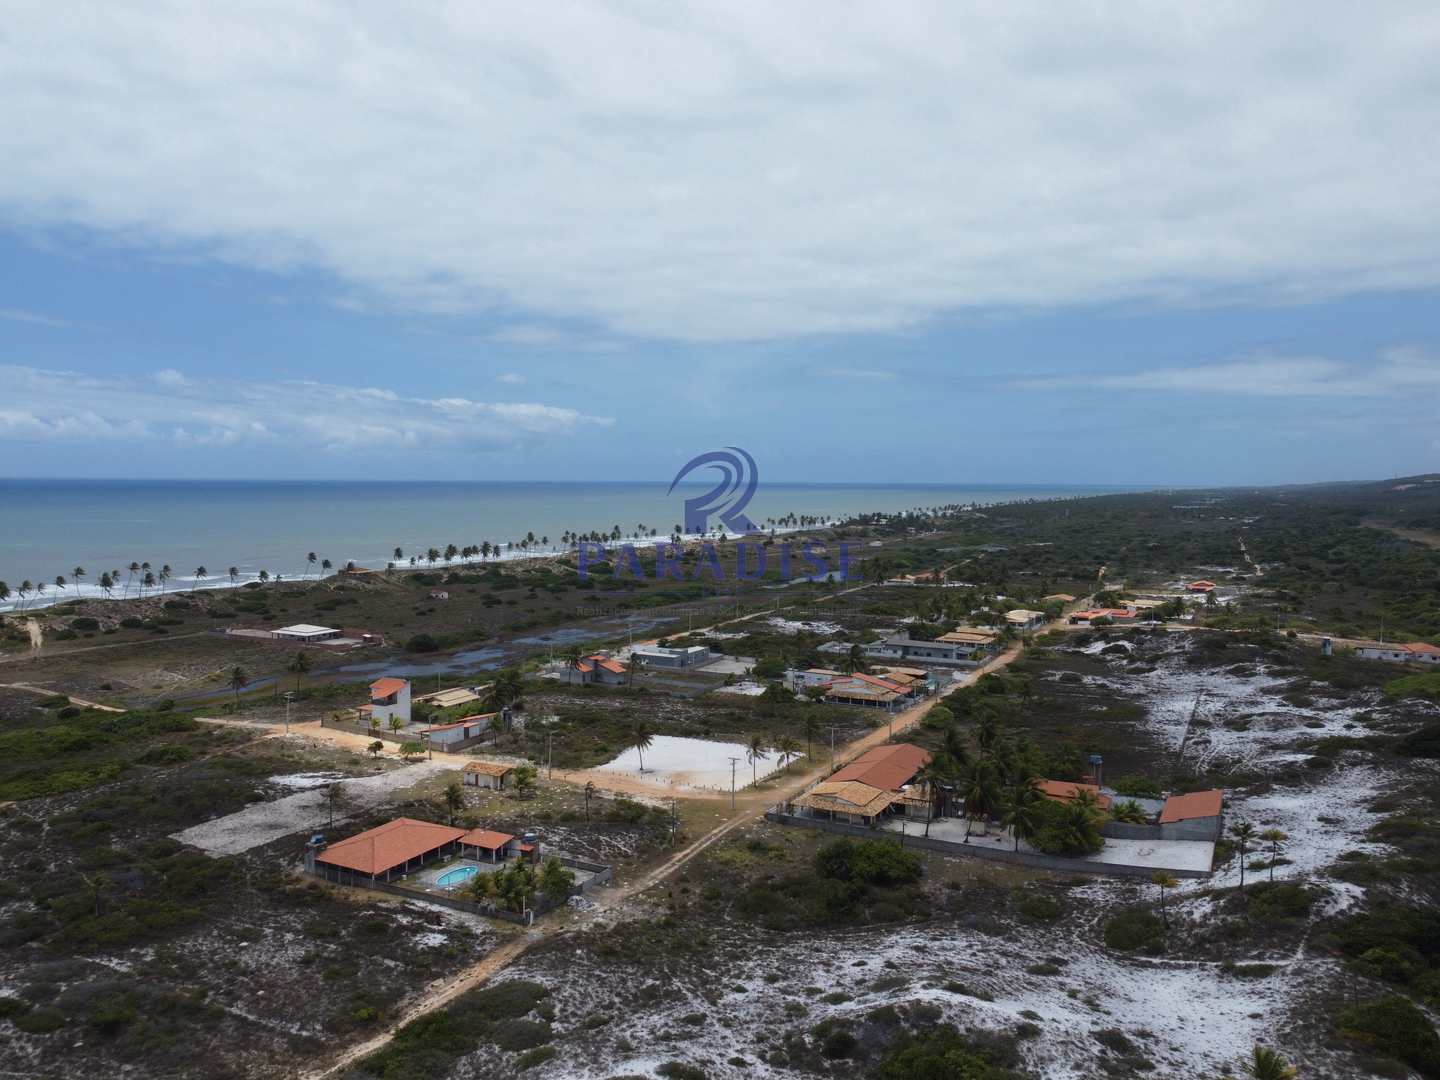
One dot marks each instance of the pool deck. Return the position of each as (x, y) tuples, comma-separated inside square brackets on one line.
[(428, 879)]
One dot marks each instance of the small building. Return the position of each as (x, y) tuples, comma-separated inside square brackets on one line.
[(493, 775), (810, 678), (866, 690), (890, 766), (1195, 816), (598, 670), (1115, 615), (1418, 652), (687, 656), (963, 646), (488, 844), (1201, 587), (439, 594), (388, 851), (1058, 598), (1025, 619), (390, 697), (306, 633), (1065, 791), (469, 727), (455, 695), (845, 800)]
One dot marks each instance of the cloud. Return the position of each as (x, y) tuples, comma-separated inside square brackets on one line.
[(511, 378), (708, 172), (172, 407), (858, 374), (35, 318), (1403, 370)]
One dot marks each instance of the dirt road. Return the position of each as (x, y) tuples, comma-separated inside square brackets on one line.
[(749, 807), (27, 688)]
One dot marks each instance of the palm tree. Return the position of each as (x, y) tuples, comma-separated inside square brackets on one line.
[(23, 591), (981, 796), (396, 724), (165, 574), (399, 554), (264, 576), (374, 722), (787, 746), (1275, 838), (4, 592), (234, 573), (1267, 1064), (507, 688), (134, 569), (77, 575), (432, 555), (755, 752), (1023, 801), (450, 552), (301, 666), (987, 730), (60, 581), (633, 667), (310, 558), (589, 794), (454, 799), (1163, 879), (326, 566), (107, 584), (571, 654), (238, 679), (1130, 812), (640, 740), (1243, 832), (934, 775), (147, 582), (200, 575)]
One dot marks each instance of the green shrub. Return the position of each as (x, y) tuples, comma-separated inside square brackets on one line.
[(946, 1054), (680, 1070), (1397, 1028), (1040, 907), (869, 862), (1135, 931), (531, 1058), (1137, 787), (1423, 743)]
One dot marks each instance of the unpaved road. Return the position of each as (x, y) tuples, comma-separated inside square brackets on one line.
[(27, 688), (749, 807)]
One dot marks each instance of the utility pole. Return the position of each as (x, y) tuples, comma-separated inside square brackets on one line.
[(733, 762), (550, 755), (832, 748), (289, 699)]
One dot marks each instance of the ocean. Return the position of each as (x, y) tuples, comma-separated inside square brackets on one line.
[(53, 526)]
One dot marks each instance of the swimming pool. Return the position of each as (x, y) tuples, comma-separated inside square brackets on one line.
[(452, 878)]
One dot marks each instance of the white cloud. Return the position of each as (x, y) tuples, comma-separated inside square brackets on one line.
[(511, 378), (33, 317), (1399, 371), (720, 172), (171, 406)]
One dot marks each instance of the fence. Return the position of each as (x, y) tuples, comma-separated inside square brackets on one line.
[(947, 847)]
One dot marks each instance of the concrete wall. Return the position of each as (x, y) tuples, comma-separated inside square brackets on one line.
[(1122, 831), (1018, 858), (1194, 829)]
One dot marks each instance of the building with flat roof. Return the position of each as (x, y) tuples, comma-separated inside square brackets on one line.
[(305, 632), (655, 656)]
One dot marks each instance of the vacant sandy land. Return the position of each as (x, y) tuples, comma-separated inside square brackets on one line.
[(304, 811)]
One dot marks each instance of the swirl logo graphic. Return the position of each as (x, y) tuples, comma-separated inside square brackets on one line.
[(727, 499)]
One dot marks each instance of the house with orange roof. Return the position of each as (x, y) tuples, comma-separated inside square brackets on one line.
[(390, 697), (598, 669), (1193, 816), (1201, 587), (388, 851), (1416, 652), (1065, 791)]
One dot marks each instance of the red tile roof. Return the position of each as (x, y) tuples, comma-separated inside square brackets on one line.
[(887, 767), (609, 665), (1198, 804), (1064, 790), (388, 846), (884, 684), (386, 687), (488, 839), (1423, 648)]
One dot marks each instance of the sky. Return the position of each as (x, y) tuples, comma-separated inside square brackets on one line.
[(1118, 243)]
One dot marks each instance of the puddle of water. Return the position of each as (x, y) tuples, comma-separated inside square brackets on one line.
[(467, 660)]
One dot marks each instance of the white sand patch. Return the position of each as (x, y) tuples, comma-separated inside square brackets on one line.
[(745, 689), (793, 626), (305, 781), (693, 763), (305, 811)]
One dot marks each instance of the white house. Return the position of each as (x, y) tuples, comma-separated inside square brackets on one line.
[(471, 727), (597, 668), (305, 632), (1024, 619), (390, 697), (487, 774), (1414, 652)]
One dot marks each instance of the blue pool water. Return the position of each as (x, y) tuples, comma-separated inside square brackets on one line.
[(458, 876)]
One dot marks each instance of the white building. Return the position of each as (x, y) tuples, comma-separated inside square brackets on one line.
[(390, 697), (1414, 652), (306, 632), (656, 657)]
